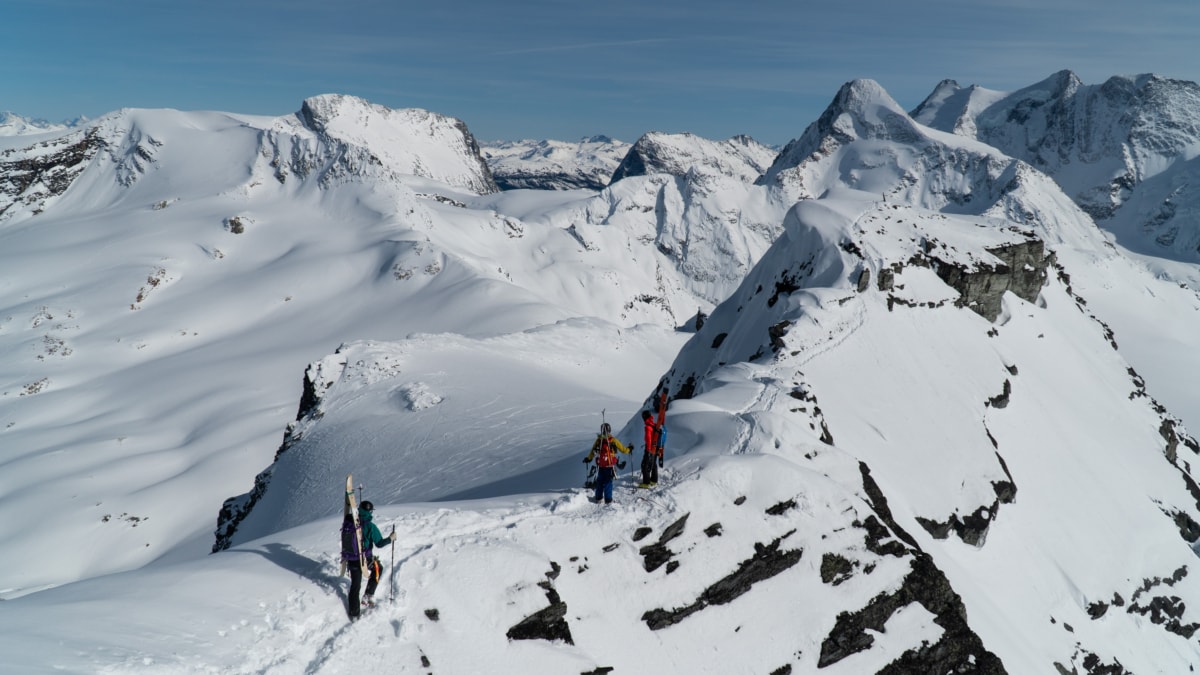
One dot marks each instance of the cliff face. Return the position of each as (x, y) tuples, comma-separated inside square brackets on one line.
[(1123, 150)]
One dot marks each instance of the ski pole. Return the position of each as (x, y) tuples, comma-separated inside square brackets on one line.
[(392, 596)]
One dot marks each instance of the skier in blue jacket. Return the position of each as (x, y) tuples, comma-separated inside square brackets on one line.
[(371, 538)]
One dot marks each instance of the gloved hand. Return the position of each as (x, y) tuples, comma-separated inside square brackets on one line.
[(586, 460), (620, 465), (392, 536)]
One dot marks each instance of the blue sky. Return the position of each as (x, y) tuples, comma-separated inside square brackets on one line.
[(566, 69)]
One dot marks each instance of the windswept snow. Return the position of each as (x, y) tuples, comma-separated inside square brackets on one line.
[(934, 419)]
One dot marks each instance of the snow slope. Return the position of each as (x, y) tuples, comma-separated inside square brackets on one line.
[(169, 275), (936, 421)]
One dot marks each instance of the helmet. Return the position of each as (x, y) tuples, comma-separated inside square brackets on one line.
[(367, 506), (606, 428)]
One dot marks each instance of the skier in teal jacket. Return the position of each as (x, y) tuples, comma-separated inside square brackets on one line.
[(371, 538)]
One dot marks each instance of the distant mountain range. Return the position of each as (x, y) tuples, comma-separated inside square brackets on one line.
[(930, 376)]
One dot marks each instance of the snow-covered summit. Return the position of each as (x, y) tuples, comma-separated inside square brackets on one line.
[(554, 165), (409, 141), (1017, 389), (1124, 150), (12, 124), (741, 157)]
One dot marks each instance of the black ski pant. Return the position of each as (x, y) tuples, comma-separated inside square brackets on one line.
[(649, 468), (374, 570)]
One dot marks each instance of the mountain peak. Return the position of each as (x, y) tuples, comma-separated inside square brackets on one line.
[(862, 94), (861, 109), (740, 157), (408, 141)]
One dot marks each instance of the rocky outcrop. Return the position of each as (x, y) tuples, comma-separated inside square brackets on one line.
[(1023, 270), (549, 623), (768, 560), (33, 176), (958, 651)]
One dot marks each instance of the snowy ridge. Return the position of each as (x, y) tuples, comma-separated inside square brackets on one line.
[(1124, 150), (687, 155), (409, 142), (934, 419), (554, 165), (201, 246), (12, 124)]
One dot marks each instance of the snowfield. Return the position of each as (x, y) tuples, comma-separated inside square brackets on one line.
[(925, 415)]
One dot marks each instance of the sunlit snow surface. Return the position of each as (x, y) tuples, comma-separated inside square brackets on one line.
[(159, 318)]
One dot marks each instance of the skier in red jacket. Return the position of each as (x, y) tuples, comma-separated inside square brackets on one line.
[(650, 459)]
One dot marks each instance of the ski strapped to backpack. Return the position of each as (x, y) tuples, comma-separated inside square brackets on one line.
[(660, 428), (352, 542), (608, 456)]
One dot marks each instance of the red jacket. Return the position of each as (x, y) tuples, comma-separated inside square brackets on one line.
[(651, 436)]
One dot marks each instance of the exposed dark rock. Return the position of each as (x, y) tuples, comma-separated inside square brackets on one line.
[(31, 176), (688, 388), (235, 509), (879, 504), (611, 547), (785, 669), (786, 285), (1006, 490), (877, 532), (547, 624), (1001, 399), (1023, 270), (600, 670), (641, 533), (766, 562), (1163, 610), (1189, 529), (835, 569), (1092, 666), (672, 566), (864, 280), (657, 554), (959, 650), (776, 333), (433, 614), (887, 279), (717, 341), (972, 528), (739, 501), (713, 530), (781, 508)]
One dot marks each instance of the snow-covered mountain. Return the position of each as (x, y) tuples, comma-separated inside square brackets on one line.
[(740, 157), (934, 421), (12, 124), (554, 165), (1124, 150)]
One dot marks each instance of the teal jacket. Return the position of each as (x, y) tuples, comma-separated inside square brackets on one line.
[(370, 532)]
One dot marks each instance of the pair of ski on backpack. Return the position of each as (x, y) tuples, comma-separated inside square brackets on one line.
[(607, 457)]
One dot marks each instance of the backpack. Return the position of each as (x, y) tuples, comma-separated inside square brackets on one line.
[(349, 540), (608, 457)]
